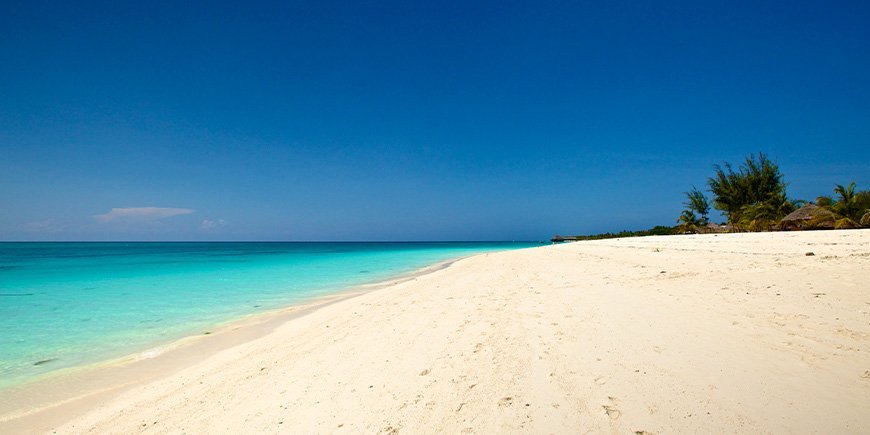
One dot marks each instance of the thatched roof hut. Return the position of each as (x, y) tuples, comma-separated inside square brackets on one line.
[(802, 218), (710, 228)]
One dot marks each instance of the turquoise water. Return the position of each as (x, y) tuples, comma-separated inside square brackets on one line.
[(68, 304)]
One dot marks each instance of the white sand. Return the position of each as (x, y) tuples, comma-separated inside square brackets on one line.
[(731, 333)]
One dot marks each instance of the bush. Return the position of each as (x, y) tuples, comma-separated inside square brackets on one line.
[(753, 197)]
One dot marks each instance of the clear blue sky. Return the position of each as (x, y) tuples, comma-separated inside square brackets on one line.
[(411, 120)]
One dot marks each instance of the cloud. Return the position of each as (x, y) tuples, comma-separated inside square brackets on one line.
[(141, 213), (208, 224)]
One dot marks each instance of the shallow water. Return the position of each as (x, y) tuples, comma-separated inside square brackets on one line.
[(68, 304)]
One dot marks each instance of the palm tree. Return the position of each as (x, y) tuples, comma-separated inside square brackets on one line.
[(845, 208), (847, 211), (846, 205), (688, 221), (824, 201), (761, 216), (862, 199), (697, 202), (782, 206)]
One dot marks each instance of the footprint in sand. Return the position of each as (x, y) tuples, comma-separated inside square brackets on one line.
[(610, 408)]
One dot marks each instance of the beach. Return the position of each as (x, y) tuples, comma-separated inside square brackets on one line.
[(736, 333)]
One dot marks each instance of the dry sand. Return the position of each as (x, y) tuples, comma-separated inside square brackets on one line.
[(731, 333)]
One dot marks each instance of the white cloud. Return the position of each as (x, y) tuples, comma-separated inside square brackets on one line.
[(208, 224), (141, 213)]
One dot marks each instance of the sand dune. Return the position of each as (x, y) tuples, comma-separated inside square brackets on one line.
[(730, 333)]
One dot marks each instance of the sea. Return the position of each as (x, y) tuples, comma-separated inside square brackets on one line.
[(65, 305)]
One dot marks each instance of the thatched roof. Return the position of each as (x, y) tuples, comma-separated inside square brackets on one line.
[(805, 213), (709, 228)]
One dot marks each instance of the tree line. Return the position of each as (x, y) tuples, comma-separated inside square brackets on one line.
[(753, 197)]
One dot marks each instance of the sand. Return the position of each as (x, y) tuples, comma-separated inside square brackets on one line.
[(739, 333)]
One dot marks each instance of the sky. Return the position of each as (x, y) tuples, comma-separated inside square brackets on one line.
[(404, 120)]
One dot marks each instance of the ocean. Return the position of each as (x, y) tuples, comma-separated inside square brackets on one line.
[(69, 304)]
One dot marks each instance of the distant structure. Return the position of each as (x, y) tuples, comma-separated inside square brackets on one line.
[(800, 219), (710, 228), (562, 239)]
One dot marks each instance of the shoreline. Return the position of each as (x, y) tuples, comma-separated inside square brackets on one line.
[(736, 333), (69, 391)]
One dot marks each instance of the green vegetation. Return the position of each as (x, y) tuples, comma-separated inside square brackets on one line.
[(659, 230), (753, 198), (696, 204), (688, 222), (850, 209)]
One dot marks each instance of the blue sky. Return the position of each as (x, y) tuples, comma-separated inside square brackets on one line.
[(413, 120)]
